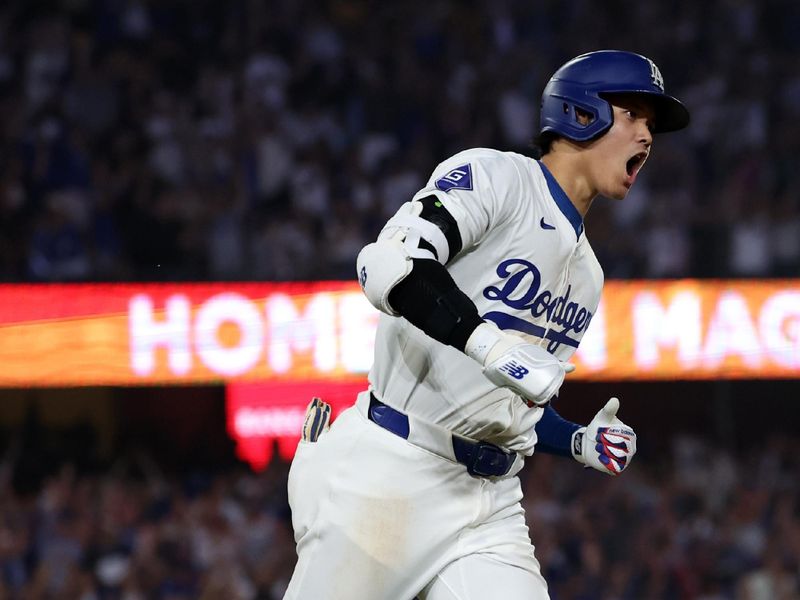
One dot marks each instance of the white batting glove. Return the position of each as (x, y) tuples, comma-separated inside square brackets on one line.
[(606, 444), (511, 362)]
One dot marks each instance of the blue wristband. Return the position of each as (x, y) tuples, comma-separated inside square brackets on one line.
[(554, 433)]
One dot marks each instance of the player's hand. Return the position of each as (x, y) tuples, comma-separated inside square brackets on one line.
[(606, 444), (511, 362)]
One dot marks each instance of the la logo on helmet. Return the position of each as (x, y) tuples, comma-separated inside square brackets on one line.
[(655, 75)]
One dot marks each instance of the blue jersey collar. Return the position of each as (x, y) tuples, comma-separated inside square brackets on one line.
[(564, 204)]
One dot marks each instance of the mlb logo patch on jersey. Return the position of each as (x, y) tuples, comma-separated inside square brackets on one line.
[(459, 178)]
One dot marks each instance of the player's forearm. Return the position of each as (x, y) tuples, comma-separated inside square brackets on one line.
[(554, 433), (430, 300), (422, 291), (403, 274)]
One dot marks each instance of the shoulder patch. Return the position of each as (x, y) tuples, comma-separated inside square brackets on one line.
[(459, 178)]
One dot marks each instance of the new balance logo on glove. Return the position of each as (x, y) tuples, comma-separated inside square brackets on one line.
[(509, 361), (513, 368)]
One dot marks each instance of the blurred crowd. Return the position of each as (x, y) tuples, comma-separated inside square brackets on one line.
[(146, 140), (704, 524), (707, 524), (208, 140), (133, 533)]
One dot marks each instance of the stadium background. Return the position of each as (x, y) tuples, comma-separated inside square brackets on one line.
[(266, 142)]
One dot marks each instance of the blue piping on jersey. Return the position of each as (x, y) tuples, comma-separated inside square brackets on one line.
[(564, 204), (505, 321)]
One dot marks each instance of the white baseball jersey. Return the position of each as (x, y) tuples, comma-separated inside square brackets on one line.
[(528, 267)]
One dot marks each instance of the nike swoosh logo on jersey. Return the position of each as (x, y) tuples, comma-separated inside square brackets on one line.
[(546, 225)]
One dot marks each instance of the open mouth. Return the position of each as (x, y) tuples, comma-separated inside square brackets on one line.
[(635, 163)]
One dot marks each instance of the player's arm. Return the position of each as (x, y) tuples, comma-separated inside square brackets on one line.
[(403, 274), (606, 444)]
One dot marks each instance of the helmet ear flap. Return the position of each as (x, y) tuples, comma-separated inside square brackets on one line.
[(571, 112)]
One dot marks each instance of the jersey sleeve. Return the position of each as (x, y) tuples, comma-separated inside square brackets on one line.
[(480, 188)]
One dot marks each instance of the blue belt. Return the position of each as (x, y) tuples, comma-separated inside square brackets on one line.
[(480, 458)]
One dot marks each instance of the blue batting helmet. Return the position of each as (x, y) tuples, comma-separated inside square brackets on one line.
[(583, 82)]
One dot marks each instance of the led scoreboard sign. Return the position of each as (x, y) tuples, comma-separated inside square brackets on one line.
[(276, 345), (142, 334)]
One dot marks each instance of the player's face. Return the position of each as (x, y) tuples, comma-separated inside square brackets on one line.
[(618, 156)]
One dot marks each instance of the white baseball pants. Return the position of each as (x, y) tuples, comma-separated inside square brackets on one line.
[(377, 518)]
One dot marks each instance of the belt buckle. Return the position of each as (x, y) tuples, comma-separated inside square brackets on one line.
[(485, 457)]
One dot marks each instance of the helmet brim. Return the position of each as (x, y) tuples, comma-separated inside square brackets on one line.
[(671, 114)]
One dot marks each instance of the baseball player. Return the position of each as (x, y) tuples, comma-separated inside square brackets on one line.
[(487, 283)]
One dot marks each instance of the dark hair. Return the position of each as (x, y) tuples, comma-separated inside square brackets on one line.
[(542, 143)]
